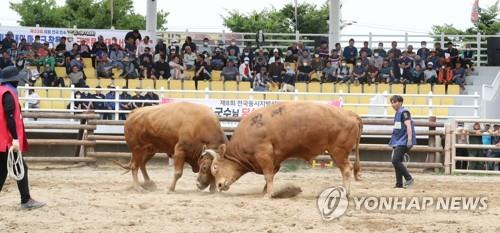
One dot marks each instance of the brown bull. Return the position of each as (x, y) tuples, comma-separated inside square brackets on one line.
[(182, 130), (272, 134)]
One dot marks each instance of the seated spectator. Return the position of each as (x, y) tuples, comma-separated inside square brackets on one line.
[(50, 79), (230, 72), (272, 59), (136, 97), (322, 50), (417, 74), (117, 55), (5, 61), (289, 79), (377, 60), (430, 74), (160, 47), (451, 54), (358, 73), (445, 75), (77, 104), (205, 47), (104, 66), (76, 77), (317, 63), (365, 49), (350, 53), (33, 99), (261, 80), (334, 59), (151, 96), (423, 51), (189, 42), (87, 97), (380, 50), (408, 61), (98, 49), (245, 70), (161, 68), (36, 44), (343, 73), (145, 43), (234, 47), (439, 50), (176, 69), (218, 60), (434, 59), (85, 50), (365, 61), (305, 71), (409, 51), (418, 61), (468, 56), (373, 75), (60, 59), (329, 73), (247, 52), (394, 49), (459, 75), (78, 62), (201, 70), (146, 68), (401, 74), (189, 58), (276, 70), (385, 72), (124, 105)]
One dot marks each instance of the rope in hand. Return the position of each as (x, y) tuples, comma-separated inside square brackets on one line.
[(15, 166)]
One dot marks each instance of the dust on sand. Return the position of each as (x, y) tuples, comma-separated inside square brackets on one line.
[(98, 200)]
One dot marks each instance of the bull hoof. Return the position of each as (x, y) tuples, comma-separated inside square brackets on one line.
[(358, 178), (137, 188), (149, 185), (212, 189), (170, 190), (268, 196)]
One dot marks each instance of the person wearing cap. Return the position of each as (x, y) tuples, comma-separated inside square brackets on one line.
[(246, 70), (8, 40), (276, 53), (430, 74), (12, 133), (402, 140)]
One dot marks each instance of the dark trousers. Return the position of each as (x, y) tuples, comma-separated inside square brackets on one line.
[(398, 154), (22, 185)]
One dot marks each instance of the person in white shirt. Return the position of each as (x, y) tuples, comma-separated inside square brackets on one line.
[(246, 70), (145, 43), (33, 99)]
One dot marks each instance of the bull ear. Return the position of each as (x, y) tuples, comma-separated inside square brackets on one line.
[(204, 148), (222, 151)]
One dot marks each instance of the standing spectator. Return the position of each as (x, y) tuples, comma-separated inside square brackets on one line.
[(99, 104), (201, 70), (468, 55), (494, 153), (189, 42), (475, 139), (394, 49), (5, 61), (124, 104), (366, 49), (135, 98), (8, 41), (246, 70), (131, 39), (230, 72), (350, 53), (430, 75), (161, 68), (380, 50), (459, 75), (110, 105), (423, 51), (402, 140), (12, 133)]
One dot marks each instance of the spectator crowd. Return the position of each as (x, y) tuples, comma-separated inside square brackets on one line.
[(479, 134)]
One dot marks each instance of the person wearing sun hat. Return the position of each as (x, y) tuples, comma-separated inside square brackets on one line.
[(12, 134)]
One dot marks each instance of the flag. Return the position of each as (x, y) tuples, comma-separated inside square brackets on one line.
[(474, 15)]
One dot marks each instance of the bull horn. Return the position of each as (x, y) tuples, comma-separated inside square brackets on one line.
[(211, 153)]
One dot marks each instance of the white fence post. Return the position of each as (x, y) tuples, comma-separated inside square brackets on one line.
[(406, 40), (117, 103), (370, 40), (442, 40), (478, 53)]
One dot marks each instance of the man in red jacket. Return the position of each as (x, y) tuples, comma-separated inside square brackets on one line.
[(12, 134)]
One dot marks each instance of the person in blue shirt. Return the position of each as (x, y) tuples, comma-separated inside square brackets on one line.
[(350, 53), (402, 140)]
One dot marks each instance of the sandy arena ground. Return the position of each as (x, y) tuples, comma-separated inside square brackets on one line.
[(84, 199)]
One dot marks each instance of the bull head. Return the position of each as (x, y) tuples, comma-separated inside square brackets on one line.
[(205, 176), (225, 171)]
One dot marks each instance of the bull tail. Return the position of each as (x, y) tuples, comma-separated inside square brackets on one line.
[(357, 166), (127, 167)]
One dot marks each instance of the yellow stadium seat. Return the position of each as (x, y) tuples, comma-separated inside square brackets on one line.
[(286, 96), (148, 84), (424, 111), (61, 71), (104, 82), (369, 88), (453, 90), (365, 99), (341, 87), (202, 86), (53, 93), (351, 99), (408, 100), (257, 96), (383, 87), (397, 89), (216, 75), (38, 83), (134, 83), (175, 85), (390, 111), (355, 88), (87, 62), (316, 76), (436, 100), (231, 86), (189, 85), (361, 110), (439, 89), (420, 101), (301, 88), (327, 88), (244, 86), (66, 93), (350, 108), (314, 87), (90, 72), (119, 83), (424, 88), (189, 74), (447, 101), (440, 112), (162, 83), (92, 82), (116, 73), (411, 88), (415, 111), (44, 104), (217, 86), (271, 96)]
